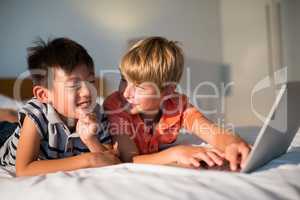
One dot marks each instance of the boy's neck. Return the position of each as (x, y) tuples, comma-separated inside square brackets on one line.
[(69, 122), (151, 117)]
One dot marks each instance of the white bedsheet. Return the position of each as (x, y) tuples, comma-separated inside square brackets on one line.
[(128, 181), (279, 179)]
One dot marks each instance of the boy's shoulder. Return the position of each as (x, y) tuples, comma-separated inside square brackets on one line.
[(34, 102), (34, 107), (37, 112), (114, 101)]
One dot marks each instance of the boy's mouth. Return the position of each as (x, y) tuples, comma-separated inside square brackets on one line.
[(84, 104), (133, 108)]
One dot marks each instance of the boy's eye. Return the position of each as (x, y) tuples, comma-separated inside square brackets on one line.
[(141, 90), (73, 84), (92, 81)]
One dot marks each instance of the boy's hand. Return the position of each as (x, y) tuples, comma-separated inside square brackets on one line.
[(237, 153), (100, 159), (191, 156), (87, 127)]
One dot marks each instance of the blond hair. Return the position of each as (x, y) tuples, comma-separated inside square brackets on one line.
[(154, 59)]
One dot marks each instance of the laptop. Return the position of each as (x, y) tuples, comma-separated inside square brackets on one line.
[(277, 132), (279, 128)]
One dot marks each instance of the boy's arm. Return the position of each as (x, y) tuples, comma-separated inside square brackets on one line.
[(94, 145), (232, 145), (130, 153), (28, 151), (184, 156)]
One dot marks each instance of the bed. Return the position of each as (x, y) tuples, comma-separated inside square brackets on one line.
[(279, 179)]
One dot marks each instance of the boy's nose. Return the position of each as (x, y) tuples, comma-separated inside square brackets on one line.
[(129, 91), (85, 89)]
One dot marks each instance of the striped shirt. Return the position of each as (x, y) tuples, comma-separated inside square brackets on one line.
[(57, 141)]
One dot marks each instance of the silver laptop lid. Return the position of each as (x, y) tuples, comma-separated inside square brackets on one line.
[(279, 128)]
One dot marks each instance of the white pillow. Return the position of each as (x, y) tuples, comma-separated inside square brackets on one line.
[(9, 103)]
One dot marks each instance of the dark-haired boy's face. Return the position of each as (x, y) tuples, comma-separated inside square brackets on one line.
[(74, 93)]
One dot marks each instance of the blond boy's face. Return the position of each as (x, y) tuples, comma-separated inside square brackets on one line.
[(74, 93), (143, 98)]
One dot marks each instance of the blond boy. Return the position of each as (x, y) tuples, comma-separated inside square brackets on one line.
[(147, 112)]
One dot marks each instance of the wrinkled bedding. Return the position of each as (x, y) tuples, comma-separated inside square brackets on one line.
[(279, 179)]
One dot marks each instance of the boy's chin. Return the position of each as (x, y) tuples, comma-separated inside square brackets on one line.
[(72, 116), (133, 111), (79, 112), (138, 110)]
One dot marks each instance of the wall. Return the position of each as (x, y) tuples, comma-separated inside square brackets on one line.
[(222, 40), (106, 27), (291, 37), (245, 50)]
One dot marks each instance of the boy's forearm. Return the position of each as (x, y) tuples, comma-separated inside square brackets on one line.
[(94, 145), (214, 135), (162, 158), (41, 167), (222, 140)]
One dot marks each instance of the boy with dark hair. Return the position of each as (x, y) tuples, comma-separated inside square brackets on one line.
[(61, 127)]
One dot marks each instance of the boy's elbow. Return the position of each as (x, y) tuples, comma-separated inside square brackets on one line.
[(126, 158), (20, 173), (133, 159)]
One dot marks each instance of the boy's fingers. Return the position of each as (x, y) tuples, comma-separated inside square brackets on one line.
[(93, 128), (88, 118), (112, 151), (111, 156), (195, 163), (89, 122), (81, 113), (245, 150), (217, 159), (205, 158), (92, 116), (232, 157), (218, 152), (233, 165)]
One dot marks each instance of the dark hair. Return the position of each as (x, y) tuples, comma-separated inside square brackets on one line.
[(60, 52)]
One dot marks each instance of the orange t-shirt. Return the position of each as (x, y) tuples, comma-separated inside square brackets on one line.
[(177, 113)]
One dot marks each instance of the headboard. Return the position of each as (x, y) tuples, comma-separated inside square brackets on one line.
[(7, 87)]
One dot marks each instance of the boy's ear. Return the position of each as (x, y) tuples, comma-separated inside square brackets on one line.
[(41, 93)]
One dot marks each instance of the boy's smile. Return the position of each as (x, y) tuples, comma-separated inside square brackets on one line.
[(84, 104)]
